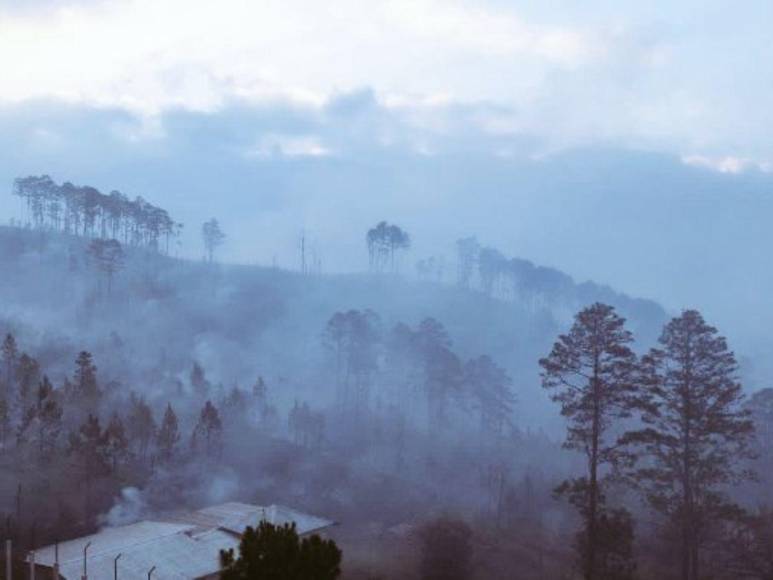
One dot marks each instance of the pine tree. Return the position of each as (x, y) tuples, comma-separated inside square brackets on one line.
[(212, 236), (208, 430), (49, 419), (697, 435), (490, 388), (141, 425), (441, 369), (85, 387), (41, 423), (589, 372), (86, 445), (168, 435), (199, 381), (271, 552), (115, 442)]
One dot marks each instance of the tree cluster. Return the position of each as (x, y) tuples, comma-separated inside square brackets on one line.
[(271, 552), (404, 362), (384, 240), (85, 211), (671, 424)]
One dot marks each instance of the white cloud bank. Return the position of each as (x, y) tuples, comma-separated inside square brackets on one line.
[(151, 54), (652, 77)]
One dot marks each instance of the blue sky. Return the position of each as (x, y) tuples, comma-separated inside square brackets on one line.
[(628, 142)]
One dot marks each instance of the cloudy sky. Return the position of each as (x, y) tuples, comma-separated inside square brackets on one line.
[(686, 77), (628, 142)]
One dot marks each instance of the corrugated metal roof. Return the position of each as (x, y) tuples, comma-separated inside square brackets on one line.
[(304, 523), (185, 547), (110, 540)]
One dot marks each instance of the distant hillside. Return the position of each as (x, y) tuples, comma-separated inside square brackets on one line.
[(237, 321)]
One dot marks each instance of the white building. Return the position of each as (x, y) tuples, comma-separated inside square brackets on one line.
[(181, 546)]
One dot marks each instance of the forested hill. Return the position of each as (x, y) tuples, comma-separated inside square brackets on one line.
[(147, 322)]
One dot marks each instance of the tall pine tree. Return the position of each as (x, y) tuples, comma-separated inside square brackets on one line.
[(589, 372), (697, 435)]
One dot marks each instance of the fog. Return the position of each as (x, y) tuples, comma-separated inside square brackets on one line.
[(483, 283), (648, 224)]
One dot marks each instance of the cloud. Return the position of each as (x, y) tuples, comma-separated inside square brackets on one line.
[(147, 55), (271, 145), (607, 74), (727, 164)]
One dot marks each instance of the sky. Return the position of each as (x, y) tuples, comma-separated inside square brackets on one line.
[(682, 77), (627, 142)]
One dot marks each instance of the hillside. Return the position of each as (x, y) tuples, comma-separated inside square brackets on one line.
[(162, 314)]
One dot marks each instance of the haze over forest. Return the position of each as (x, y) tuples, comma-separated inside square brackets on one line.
[(485, 283)]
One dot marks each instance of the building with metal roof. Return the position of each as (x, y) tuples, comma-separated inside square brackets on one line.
[(176, 546)]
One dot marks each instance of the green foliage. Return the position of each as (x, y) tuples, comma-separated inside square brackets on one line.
[(277, 553)]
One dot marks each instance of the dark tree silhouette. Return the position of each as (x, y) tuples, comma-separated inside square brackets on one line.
[(441, 369), (85, 389), (697, 435), (747, 546), (589, 372), (491, 266), (384, 241), (212, 236), (108, 258), (353, 338), (85, 211), (446, 550), (208, 430), (87, 446), (140, 425), (168, 434), (199, 381), (41, 424), (614, 549), (491, 390), (277, 553), (115, 444)]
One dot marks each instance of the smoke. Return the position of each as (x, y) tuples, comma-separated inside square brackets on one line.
[(129, 508), (223, 487)]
